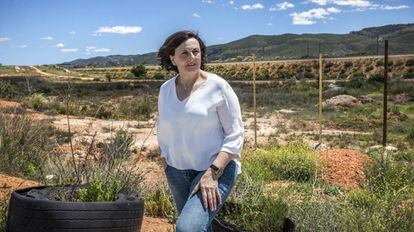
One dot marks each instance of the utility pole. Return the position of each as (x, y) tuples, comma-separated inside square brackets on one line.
[(384, 118)]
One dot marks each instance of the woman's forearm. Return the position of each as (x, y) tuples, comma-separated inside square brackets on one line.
[(222, 159)]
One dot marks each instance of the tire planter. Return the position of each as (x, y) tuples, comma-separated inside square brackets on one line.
[(29, 214)]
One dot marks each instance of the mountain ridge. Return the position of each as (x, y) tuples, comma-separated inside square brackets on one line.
[(284, 46)]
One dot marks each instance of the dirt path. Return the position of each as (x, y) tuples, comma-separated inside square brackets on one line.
[(43, 73)]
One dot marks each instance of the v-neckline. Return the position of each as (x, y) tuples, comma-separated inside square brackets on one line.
[(186, 99)]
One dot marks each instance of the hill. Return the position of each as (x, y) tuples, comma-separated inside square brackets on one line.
[(285, 46)]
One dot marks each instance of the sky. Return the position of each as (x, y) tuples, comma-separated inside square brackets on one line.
[(34, 32)]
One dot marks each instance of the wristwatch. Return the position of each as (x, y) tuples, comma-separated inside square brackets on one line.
[(217, 171)]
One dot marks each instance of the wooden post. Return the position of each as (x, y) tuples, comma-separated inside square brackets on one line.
[(254, 100), (384, 118), (320, 96)]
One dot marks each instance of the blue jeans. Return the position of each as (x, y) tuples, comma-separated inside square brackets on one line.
[(193, 216)]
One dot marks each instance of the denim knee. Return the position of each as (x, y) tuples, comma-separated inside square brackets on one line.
[(185, 225)]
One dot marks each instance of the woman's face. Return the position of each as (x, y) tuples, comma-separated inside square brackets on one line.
[(187, 56)]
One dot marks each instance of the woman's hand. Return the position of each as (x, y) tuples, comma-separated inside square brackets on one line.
[(208, 185)]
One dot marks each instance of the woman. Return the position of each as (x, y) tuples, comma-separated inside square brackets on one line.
[(199, 130)]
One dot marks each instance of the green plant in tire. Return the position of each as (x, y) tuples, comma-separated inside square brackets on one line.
[(99, 191)]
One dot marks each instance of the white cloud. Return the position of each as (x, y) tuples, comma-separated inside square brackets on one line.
[(400, 7), (196, 15), (252, 7), (231, 2), (92, 49), (72, 32), (282, 6), (353, 3), (47, 38), (207, 1), (69, 50), (360, 5), (269, 24), (309, 17), (23, 46), (123, 30), (4, 39), (59, 45)]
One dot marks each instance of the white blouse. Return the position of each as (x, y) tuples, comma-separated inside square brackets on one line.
[(192, 132)]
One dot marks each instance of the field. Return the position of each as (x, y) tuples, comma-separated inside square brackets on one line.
[(347, 183)]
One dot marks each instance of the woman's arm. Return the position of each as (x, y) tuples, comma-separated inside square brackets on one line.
[(230, 118), (208, 184)]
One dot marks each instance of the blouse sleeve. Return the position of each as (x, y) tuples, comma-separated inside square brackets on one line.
[(230, 117)]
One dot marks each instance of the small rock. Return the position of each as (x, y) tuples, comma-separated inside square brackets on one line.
[(342, 100), (285, 111), (401, 98), (387, 148)]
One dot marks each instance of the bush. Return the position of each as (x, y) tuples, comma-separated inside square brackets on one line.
[(378, 77), (97, 191), (119, 146), (409, 63), (380, 63), (159, 76), (106, 166), (361, 198), (7, 90), (355, 82), (139, 70), (160, 204), (292, 162), (38, 102), (140, 108), (369, 68), (384, 175), (249, 207), (24, 145)]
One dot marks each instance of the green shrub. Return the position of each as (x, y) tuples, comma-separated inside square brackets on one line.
[(405, 155), (361, 198), (38, 102), (119, 146), (348, 64), (409, 63), (292, 162), (7, 90), (369, 68), (377, 77), (24, 145), (384, 175), (98, 191), (159, 76), (408, 75), (140, 108), (249, 207), (160, 204), (380, 63), (355, 82), (139, 70)]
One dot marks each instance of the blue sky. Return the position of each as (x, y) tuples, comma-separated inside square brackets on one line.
[(48, 32)]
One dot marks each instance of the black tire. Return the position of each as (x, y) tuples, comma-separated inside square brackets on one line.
[(28, 214)]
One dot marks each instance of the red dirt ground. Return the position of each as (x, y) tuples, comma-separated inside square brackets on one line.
[(343, 167)]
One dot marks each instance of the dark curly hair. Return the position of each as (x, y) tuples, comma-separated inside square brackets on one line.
[(172, 42)]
